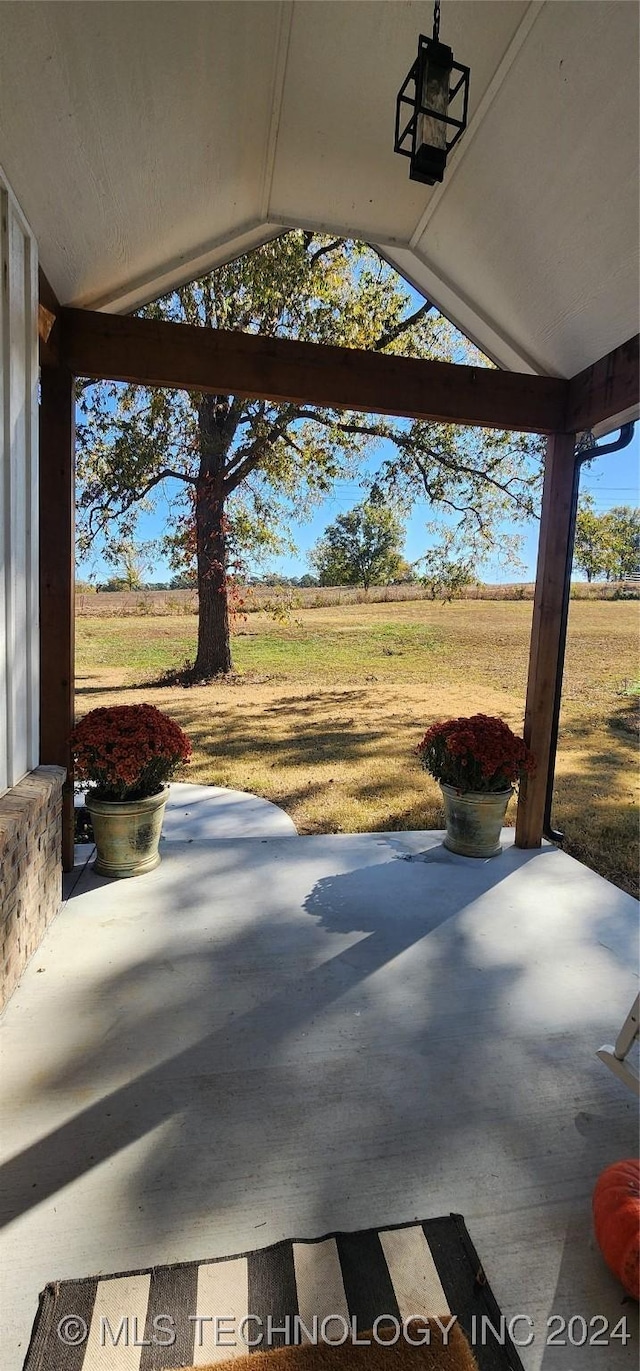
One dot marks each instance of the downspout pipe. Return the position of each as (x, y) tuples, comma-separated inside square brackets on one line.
[(582, 455)]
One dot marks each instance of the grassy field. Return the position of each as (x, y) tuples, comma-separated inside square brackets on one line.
[(323, 714)]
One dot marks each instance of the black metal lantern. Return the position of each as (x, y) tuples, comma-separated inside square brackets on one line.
[(432, 94)]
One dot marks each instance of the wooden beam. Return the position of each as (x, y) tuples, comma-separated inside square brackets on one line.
[(57, 406), (48, 311), (609, 388), (546, 632), (157, 353), (46, 320), (46, 293)]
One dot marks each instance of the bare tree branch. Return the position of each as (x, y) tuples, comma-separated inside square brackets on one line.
[(233, 419), (477, 473), (256, 451), (398, 329), (324, 251), (144, 490), (446, 500), (405, 443), (366, 430)]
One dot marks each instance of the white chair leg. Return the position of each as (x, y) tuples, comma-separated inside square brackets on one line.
[(615, 1057)]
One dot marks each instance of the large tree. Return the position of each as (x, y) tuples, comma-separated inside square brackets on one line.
[(607, 544), (590, 547), (622, 534), (362, 548), (236, 472), (132, 561)]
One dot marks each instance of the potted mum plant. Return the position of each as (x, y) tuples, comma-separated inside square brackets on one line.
[(127, 753), (476, 761)]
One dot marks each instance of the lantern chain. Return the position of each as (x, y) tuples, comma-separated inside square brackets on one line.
[(436, 20)]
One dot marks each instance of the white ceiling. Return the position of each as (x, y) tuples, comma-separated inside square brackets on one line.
[(149, 141)]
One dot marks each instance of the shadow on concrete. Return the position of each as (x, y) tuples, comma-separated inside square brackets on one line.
[(367, 901), (365, 1057)]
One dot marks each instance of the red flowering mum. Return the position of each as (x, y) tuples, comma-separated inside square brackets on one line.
[(480, 753), (128, 752)]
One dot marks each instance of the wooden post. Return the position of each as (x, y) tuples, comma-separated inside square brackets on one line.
[(57, 582), (546, 631)]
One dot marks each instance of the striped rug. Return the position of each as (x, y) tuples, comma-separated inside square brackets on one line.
[(201, 1314)]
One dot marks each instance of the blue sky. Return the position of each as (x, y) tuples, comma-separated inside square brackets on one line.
[(612, 480)]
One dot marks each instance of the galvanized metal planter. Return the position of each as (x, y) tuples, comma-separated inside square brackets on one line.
[(474, 820), (127, 834)]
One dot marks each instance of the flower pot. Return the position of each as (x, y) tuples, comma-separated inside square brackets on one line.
[(474, 820), (127, 834)]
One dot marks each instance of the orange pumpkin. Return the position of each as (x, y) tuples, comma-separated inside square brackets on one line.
[(616, 1215)]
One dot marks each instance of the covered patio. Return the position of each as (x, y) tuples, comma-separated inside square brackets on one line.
[(270, 1037), (515, 258)]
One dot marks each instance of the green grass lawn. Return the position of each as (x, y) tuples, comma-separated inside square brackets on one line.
[(323, 714), (296, 651)]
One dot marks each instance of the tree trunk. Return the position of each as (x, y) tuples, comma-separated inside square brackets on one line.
[(213, 656), (214, 647)]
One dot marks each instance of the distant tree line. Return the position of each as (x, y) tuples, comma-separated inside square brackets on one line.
[(120, 583), (363, 547)]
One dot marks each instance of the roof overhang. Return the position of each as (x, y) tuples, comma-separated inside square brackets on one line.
[(149, 142)]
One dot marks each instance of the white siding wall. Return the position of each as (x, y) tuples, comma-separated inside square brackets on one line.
[(19, 722)]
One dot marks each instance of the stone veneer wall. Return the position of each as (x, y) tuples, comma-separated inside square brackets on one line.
[(30, 868)]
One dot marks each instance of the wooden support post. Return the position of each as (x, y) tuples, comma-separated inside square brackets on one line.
[(546, 631), (57, 582)]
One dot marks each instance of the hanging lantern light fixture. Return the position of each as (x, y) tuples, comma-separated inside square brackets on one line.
[(438, 104)]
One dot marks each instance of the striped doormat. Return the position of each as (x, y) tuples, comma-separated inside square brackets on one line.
[(332, 1289)]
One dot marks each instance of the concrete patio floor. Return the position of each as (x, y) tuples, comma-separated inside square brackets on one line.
[(270, 1038), (213, 811)]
